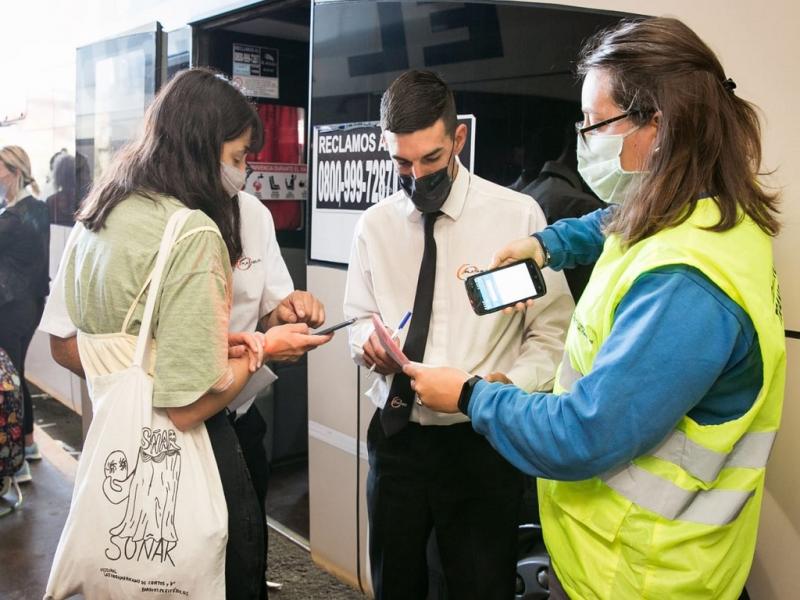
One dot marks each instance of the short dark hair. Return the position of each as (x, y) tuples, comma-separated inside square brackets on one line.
[(179, 153), (416, 100)]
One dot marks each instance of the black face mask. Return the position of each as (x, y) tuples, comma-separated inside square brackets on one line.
[(430, 192)]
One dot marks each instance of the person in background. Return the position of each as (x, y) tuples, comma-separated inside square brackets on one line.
[(431, 471), (559, 191), (651, 453), (24, 274), (199, 369), (62, 204)]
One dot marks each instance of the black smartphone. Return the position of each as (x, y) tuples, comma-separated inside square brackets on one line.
[(498, 288), (333, 328)]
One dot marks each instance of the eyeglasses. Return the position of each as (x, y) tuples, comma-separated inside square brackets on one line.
[(582, 131)]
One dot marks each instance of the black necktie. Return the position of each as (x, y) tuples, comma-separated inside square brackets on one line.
[(395, 413)]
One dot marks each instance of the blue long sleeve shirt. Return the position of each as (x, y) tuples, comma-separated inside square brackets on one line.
[(678, 346)]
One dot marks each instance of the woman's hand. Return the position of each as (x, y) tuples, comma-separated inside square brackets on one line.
[(522, 249), (248, 343), (288, 343), (438, 388)]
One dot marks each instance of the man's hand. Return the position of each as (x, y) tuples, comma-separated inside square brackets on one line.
[(438, 388), (375, 355), (497, 377), (298, 307), (289, 342)]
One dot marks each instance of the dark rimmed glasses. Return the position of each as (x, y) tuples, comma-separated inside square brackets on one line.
[(582, 131)]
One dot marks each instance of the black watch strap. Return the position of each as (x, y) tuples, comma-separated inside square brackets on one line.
[(544, 249), (466, 393)]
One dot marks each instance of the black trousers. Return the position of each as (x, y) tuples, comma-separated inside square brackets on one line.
[(447, 479), (246, 552), (18, 322), (250, 430)]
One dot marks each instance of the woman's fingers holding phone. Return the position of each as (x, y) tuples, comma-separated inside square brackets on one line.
[(518, 307), (517, 250)]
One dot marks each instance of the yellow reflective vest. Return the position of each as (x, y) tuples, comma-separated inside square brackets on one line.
[(681, 521)]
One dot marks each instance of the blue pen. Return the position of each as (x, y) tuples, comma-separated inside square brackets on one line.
[(395, 335), (403, 322)]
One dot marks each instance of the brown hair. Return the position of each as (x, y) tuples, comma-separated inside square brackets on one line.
[(415, 101), (179, 152), (708, 141), (17, 161)]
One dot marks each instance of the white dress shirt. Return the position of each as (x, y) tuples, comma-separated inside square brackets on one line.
[(260, 281), (479, 218)]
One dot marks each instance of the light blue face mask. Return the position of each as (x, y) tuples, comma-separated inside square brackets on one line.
[(599, 165)]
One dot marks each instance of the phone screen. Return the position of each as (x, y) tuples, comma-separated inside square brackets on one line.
[(505, 286)]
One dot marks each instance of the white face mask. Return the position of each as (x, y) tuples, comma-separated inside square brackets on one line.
[(599, 165), (233, 179)]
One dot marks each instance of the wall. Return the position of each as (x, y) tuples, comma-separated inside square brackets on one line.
[(337, 445)]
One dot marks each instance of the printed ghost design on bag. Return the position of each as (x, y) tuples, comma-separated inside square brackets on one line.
[(147, 530)]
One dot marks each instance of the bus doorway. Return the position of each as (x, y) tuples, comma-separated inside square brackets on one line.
[(265, 51)]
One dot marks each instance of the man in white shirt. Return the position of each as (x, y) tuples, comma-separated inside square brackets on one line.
[(263, 295), (430, 470)]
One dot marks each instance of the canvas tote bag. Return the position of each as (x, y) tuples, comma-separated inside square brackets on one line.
[(148, 517)]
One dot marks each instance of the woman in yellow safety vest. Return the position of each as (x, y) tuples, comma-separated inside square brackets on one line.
[(652, 448)]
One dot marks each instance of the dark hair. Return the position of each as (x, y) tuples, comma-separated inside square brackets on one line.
[(416, 100), (64, 174), (179, 151), (708, 140)]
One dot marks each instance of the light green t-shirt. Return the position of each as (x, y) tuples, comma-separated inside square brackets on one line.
[(190, 325)]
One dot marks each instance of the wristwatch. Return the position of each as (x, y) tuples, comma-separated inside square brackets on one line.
[(466, 393), (545, 251)]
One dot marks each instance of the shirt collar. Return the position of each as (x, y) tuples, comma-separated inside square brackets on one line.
[(454, 205)]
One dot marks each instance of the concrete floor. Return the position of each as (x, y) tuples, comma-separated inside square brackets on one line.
[(287, 496), (29, 536)]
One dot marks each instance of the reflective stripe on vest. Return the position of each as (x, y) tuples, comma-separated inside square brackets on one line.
[(661, 496), (751, 451), (710, 507)]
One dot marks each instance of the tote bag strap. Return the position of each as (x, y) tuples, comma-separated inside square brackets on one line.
[(129, 316), (174, 225)]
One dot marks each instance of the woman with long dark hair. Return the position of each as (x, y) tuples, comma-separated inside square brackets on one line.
[(651, 452), (191, 154)]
